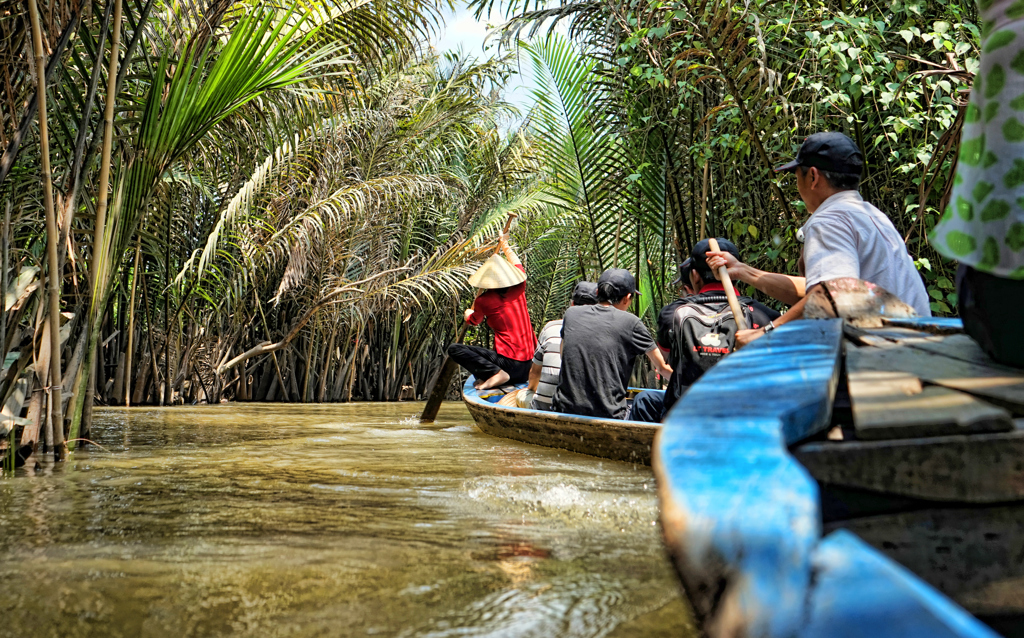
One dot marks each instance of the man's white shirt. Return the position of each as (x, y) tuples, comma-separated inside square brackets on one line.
[(848, 237)]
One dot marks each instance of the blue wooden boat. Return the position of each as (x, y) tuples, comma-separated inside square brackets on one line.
[(628, 441), (759, 556)]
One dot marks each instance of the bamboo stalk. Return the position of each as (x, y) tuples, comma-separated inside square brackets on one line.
[(352, 368), (309, 366), (326, 366), (149, 336), (4, 257), (704, 191), (52, 237), (98, 245), (83, 407), (169, 386), (131, 330)]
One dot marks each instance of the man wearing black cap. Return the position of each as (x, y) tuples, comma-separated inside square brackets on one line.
[(845, 236), (599, 346), (696, 330), (547, 359)]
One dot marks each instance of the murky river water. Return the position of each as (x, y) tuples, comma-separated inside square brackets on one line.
[(347, 520)]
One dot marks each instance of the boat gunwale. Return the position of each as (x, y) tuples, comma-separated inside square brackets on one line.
[(611, 439), (472, 395)]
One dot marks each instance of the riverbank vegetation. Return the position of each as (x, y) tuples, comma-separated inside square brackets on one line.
[(262, 202)]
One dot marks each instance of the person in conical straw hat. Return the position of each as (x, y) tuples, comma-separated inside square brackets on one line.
[(503, 304)]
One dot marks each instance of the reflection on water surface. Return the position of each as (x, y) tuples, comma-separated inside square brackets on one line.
[(350, 520)]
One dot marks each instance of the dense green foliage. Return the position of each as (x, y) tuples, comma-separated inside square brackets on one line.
[(695, 102), (297, 195)]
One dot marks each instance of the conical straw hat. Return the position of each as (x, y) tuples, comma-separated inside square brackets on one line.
[(496, 272)]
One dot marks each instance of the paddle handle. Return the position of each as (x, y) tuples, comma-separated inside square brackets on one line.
[(508, 226), (448, 368), (730, 292), (504, 231)]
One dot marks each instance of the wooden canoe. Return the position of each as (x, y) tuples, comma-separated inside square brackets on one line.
[(613, 439), (743, 519)]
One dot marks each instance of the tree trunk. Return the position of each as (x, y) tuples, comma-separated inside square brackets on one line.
[(328, 357), (52, 237), (35, 414), (99, 248), (131, 329)]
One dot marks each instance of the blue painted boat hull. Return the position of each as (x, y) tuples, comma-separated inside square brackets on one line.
[(613, 439), (741, 516)]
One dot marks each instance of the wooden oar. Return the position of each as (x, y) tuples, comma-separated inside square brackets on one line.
[(730, 292), (444, 378)]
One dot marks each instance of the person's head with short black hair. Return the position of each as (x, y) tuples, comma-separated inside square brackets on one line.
[(683, 280), (584, 294), (699, 258), (615, 285), (838, 181), (827, 163)]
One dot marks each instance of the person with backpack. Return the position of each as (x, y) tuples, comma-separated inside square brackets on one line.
[(697, 330)]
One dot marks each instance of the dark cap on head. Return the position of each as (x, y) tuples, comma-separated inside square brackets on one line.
[(829, 151), (684, 272), (699, 256), (584, 294), (616, 283)]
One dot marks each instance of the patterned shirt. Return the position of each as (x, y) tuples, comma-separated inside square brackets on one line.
[(984, 223), (549, 357)]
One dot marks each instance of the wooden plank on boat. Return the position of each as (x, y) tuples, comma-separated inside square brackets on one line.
[(893, 405), (934, 325), (1000, 385), (935, 411), (739, 515), (963, 348), (859, 592), (980, 468), (877, 336), (954, 346)]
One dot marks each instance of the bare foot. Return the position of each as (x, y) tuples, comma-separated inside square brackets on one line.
[(498, 379)]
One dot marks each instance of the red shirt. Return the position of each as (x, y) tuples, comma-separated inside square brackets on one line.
[(509, 319)]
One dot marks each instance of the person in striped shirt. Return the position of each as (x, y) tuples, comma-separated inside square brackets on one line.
[(547, 360)]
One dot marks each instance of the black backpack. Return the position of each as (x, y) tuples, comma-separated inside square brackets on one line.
[(704, 331)]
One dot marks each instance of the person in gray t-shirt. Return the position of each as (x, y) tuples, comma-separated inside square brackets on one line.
[(599, 346), (547, 359), (845, 236)]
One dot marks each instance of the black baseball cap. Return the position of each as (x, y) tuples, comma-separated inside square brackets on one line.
[(829, 151), (684, 272), (622, 282), (584, 294), (699, 257)]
